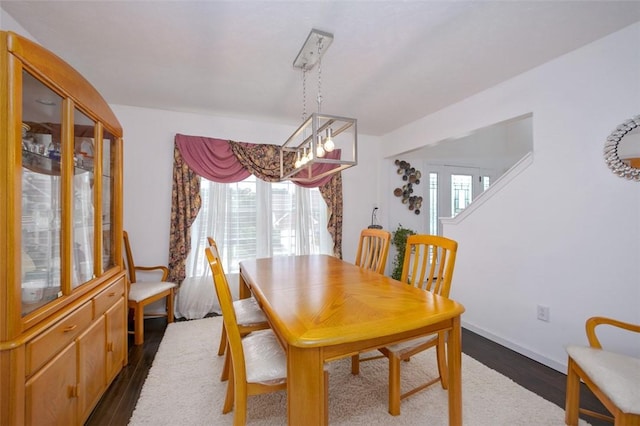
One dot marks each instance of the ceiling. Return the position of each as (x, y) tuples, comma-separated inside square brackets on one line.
[(390, 63)]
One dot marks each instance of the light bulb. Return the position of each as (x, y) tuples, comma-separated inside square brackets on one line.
[(298, 161), (328, 142), (319, 148)]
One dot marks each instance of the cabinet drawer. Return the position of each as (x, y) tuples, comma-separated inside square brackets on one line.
[(108, 297), (49, 343)]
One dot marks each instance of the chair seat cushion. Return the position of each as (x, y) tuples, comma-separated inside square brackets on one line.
[(248, 312), (617, 375), (265, 360), (399, 349), (145, 289)]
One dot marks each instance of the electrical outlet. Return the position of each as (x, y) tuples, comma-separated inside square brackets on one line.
[(543, 313)]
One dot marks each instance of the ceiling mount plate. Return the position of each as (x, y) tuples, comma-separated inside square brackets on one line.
[(309, 54)]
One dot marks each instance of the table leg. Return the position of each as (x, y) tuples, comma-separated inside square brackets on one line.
[(454, 355), (243, 289), (306, 387)]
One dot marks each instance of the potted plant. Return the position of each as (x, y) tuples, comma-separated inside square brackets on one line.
[(399, 241)]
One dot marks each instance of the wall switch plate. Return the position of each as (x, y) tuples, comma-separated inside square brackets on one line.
[(543, 313)]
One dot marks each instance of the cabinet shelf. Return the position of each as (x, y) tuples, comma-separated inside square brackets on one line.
[(46, 165)]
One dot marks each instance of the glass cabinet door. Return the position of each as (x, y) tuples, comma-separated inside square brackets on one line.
[(108, 204), (41, 194), (83, 199)]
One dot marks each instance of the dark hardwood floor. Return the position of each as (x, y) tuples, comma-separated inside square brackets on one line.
[(117, 404)]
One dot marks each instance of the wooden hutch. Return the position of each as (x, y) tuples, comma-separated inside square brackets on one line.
[(63, 316)]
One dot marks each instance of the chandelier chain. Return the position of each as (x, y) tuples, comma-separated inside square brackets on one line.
[(320, 46), (304, 94)]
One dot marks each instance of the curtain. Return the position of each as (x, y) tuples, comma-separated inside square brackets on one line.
[(227, 161), (185, 205)]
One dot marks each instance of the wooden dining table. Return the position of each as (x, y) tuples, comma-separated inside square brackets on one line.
[(323, 308)]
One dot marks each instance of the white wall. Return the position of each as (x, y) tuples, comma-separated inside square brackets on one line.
[(564, 233), (7, 23)]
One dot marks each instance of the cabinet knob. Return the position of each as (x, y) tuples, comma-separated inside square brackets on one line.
[(109, 346), (69, 328)]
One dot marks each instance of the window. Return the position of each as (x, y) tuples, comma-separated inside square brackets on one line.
[(486, 182), (461, 187), (253, 219)]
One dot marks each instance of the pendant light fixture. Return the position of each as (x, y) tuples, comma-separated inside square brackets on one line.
[(323, 144)]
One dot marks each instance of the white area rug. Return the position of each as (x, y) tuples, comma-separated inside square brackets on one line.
[(183, 388)]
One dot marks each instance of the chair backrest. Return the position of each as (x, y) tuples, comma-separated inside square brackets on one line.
[(373, 249), (228, 313), (131, 267), (428, 263), (593, 322)]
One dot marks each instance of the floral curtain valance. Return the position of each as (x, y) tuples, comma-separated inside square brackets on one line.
[(227, 162)]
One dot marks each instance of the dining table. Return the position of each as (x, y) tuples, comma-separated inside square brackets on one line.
[(323, 308)]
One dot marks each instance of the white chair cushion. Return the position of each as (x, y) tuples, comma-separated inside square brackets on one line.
[(248, 312), (144, 289), (617, 375), (265, 360), (399, 349)]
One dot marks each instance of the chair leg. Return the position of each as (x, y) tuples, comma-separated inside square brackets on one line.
[(223, 341), (240, 404), (228, 400), (572, 402), (138, 325), (170, 300), (326, 397), (355, 364), (226, 367), (441, 355), (394, 385)]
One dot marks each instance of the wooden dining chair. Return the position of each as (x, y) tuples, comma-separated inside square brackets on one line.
[(373, 249), (428, 264), (249, 317), (612, 377), (259, 363), (143, 293)]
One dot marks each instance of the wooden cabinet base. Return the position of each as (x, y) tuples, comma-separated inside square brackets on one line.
[(61, 386)]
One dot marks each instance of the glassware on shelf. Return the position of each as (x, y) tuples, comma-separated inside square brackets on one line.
[(54, 150)]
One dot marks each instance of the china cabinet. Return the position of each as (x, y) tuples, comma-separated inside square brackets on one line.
[(63, 316)]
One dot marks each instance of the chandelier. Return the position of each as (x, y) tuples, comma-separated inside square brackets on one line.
[(323, 144)]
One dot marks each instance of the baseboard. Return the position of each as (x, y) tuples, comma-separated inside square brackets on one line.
[(562, 368)]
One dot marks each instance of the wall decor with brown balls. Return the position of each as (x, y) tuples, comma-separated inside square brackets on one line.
[(410, 177)]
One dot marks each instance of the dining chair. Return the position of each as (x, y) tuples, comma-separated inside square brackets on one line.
[(258, 361), (143, 293), (373, 249), (428, 264), (249, 317), (614, 378)]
